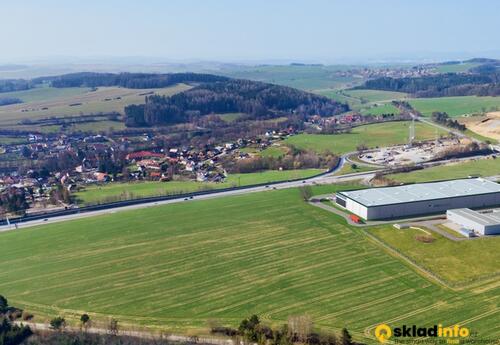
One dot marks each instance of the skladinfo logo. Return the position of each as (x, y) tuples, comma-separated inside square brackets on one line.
[(384, 332)]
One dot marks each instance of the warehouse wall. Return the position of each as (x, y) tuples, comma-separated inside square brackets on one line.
[(356, 208), (464, 221), (418, 208)]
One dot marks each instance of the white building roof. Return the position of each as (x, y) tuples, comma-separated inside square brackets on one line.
[(422, 192)]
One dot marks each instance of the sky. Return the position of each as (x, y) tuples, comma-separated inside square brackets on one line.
[(253, 30)]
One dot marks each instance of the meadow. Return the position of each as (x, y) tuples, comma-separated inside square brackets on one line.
[(456, 68), (481, 167), (455, 106), (373, 135), (453, 261), (367, 101), (177, 266), (372, 96), (95, 194), (380, 109)]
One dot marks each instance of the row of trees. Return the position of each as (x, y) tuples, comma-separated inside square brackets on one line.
[(299, 329), (444, 119), (128, 80), (9, 100), (11, 334), (259, 100), (292, 160), (13, 200), (9, 85)]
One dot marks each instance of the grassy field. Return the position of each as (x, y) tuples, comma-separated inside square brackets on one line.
[(274, 151), (120, 191), (380, 109), (348, 169), (372, 96), (268, 253), (454, 261), (231, 117), (482, 167), (42, 94), (362, 100), (66, 102), (456, 68), (380, 134), (455, 106)]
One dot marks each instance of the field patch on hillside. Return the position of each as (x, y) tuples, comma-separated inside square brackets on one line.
[(374, 135), (42, 103), (480, 167), (456, 106)]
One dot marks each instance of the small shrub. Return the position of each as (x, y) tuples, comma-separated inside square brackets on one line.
[(425, 239)]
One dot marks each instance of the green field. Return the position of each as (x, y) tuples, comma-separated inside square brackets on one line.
[(482, 167), (380, 109), (455, 106), (456, 68), (268, 253), (380, 134), (42, 94), (372, 96), (362, 100), (121, 191), (348, 169), (274, 151), (231, 117), (453, 261)]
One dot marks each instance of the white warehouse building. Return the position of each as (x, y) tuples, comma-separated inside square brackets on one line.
[(419, 199), (482, 223)]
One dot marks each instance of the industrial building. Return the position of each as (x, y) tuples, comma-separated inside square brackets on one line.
[(419, 199), (480, 222)]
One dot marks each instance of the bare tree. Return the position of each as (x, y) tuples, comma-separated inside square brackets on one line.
[(300, 327)]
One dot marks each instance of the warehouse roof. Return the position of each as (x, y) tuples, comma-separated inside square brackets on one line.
[(491, 218), (422, 192)]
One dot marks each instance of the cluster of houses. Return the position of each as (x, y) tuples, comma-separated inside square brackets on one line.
[(38, 165)]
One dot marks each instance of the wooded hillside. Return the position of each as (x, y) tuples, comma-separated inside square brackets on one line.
[(257, 99)]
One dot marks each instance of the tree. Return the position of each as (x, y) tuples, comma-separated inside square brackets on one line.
[(346, 338), (3, 304), (354, 166), (300, 326), (85, 320), (58, 323), (306, 192), (113, 327)]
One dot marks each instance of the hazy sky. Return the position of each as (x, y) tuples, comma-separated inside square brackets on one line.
[(313, 30)]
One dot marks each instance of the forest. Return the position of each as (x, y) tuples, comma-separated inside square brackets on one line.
[(257, 99), (128, 80)]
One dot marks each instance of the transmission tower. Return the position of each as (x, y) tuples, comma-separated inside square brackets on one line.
[(412, 133)]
